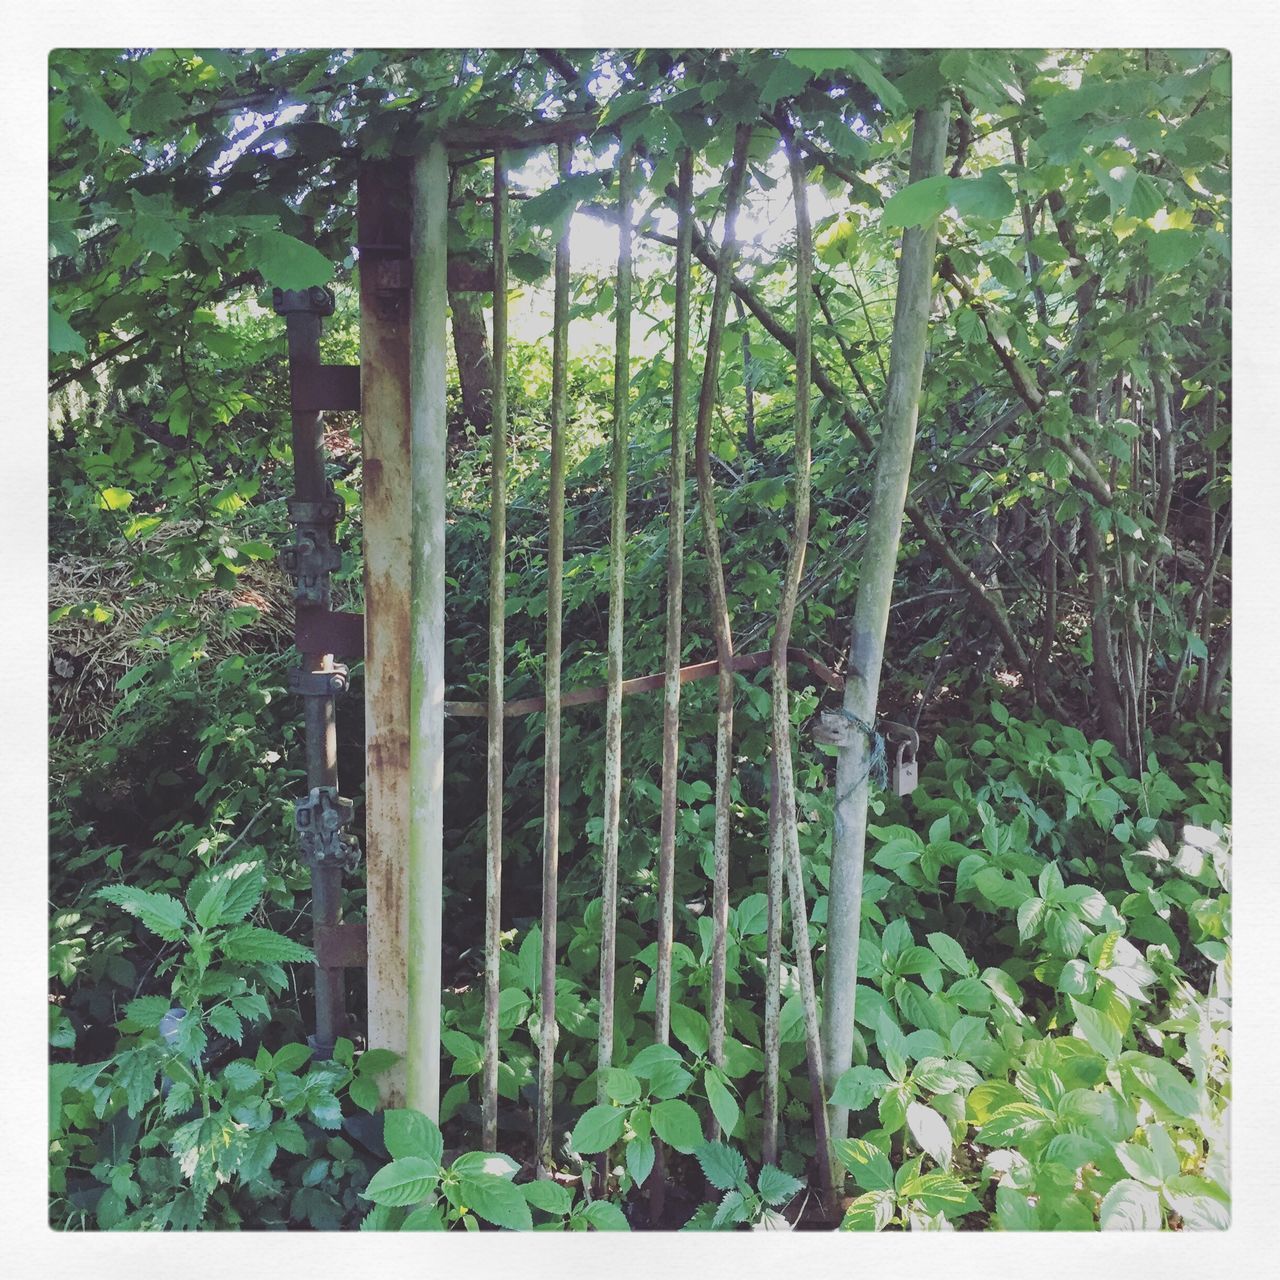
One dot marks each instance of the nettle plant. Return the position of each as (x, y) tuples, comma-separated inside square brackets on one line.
[(760, 1206), (173, 1122)]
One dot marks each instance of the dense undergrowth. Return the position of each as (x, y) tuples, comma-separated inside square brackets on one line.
[(1043, 1007)]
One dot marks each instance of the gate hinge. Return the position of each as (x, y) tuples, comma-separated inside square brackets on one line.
[(321, 818)]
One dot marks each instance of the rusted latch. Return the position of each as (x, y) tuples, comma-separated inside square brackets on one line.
[(319, 684), (314, 555), (321, 818)]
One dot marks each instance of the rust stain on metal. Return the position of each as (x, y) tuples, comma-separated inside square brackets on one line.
[(341, 946)]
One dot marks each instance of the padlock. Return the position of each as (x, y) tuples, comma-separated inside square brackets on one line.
[(906, 771)]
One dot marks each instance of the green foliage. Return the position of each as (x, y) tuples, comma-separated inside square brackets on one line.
[(1044, 978)]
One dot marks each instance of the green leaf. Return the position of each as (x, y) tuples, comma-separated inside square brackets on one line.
[(410, 1133), (147, 1011), (1129, 1206), (640, 1159), (94, 113), (918, 203), (1161, 1081), (603, 1215), (598, 1129), (63, 339), (1100, 1033), (241, 1075), (286, 261), (821, 60), (114, 499), (496, 1200), (938, 1193), (676, 1123), (1174, 249), (669, 1080), (776, 1187), (1030, 914), (621, 1086), (753, 915), (290, 1057), (951, 953), (1014, 1123), (1015, 1211), (1200, 1204), (868, 1165), (652, 1056), (161, 913), (857, 1087), (690, 1028), (548, 1196), (251, 945), (892, 1045), (987, 196), (722, 1165), (724, 1105), (425, 1218), (554, 207), (226, 894), (403, 1182), (373, 1062), (224, 1020)]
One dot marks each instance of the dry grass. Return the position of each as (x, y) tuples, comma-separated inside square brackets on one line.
[(87, 658)]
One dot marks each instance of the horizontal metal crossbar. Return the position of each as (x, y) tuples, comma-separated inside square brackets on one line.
[(320, 631), (313, 388), (745, 662)]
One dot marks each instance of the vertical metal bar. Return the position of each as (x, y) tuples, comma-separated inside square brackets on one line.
[(772, 978), (617, 597), (735, 182), (303, 310), (784, 790), (675, 606), (426, 690), (497, 654), (551, 751), (383, 213)]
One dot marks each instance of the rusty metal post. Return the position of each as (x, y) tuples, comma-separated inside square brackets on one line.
[(382, 214), (314, 511)]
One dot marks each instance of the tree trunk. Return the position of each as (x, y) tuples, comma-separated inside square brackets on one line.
[(871, 613), (475, 364)]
